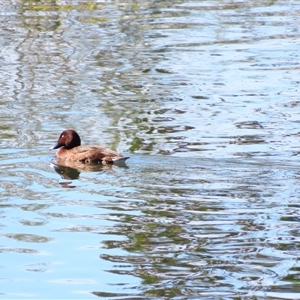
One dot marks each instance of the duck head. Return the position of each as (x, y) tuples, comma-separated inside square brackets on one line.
[(68, 139)]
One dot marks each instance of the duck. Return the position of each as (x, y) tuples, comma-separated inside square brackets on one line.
[(70, 150)]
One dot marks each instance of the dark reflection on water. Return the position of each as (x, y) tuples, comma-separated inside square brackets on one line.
[(66, 172), (204, 98), (73, 170)]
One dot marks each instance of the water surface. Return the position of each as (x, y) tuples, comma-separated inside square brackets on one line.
[(203, 96)]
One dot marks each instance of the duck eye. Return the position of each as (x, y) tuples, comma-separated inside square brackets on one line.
[(63, 136)]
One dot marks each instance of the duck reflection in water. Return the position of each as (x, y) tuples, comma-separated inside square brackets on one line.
[(71, 172)]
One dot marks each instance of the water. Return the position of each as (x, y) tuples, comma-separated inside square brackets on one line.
[(203, 96)]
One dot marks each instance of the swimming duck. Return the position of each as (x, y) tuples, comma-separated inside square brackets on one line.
[(70, 149)]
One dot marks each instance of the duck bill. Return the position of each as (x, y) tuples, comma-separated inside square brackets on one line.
[(58, 145)]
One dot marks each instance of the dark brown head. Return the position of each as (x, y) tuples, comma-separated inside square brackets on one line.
[(68, 139)]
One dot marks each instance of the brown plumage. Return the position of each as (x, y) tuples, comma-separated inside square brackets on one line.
[(70, 149)]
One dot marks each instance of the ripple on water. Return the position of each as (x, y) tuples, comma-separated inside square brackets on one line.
[(205, 97)]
